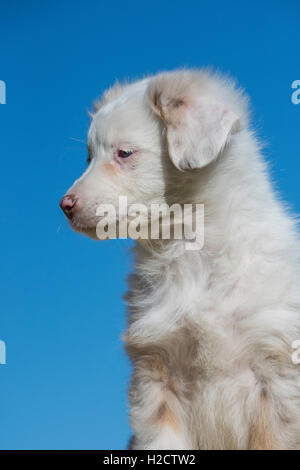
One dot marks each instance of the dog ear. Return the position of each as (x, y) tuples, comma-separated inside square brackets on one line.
[(197, 125)]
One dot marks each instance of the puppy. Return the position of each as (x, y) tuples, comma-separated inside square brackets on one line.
[(210, 331)]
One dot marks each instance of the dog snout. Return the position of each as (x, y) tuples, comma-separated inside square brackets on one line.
[(68, 203)]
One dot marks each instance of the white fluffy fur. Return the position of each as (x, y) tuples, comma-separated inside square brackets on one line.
[(210, 331)]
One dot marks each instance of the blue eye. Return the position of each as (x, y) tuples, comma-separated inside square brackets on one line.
[(124, 153)]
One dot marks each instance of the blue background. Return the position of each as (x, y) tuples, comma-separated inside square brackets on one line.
[(65, 381)]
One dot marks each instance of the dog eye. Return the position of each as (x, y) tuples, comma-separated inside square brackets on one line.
[(89, 159), (124, 153)]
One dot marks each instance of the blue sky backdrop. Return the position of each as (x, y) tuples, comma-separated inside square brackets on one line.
[(66, 377)]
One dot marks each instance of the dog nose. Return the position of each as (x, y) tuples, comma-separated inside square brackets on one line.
[(68, 203)]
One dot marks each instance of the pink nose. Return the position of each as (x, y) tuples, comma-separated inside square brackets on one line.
[(67, 204)]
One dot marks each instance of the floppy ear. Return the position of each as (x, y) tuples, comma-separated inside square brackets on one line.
[(197, 126)]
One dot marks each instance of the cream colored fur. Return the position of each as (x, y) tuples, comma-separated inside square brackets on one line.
[(210, 331)]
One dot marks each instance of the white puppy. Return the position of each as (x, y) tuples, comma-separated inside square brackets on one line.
[(210, 332)]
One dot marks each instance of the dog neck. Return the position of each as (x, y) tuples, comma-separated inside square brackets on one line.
[(232, 190)]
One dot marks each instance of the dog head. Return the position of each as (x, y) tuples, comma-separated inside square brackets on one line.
[(146, 137)]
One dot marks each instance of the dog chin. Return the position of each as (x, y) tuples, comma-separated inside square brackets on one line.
[(84, 230)]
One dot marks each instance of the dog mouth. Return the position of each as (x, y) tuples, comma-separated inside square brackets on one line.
[(82, 227), (88, 228)]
